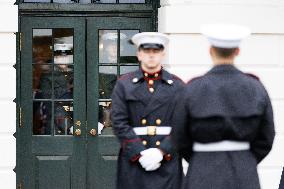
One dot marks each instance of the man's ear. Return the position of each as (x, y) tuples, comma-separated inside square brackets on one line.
[(164, 53), (211, 51), (237, 52), (138, 55)]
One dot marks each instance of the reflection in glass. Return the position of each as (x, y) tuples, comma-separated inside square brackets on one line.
[(41, 117), (63, 46), (63, 81), (127, 50), (63, 118), (108, 46), (127, 69), (131, 1), (104, 124), (42, 46), (107, 80), (42, 81)]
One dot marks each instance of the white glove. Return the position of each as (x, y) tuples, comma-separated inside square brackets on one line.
[(151, 159)]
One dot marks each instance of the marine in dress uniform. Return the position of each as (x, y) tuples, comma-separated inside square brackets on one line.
[(223, 124), (142, 109)]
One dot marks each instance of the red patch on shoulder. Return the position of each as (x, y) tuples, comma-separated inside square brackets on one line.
[(252, 75)]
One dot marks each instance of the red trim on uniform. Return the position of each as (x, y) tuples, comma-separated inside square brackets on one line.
[(152, 75), (252, 75), (135, 158), (125, 142), (168, 157)]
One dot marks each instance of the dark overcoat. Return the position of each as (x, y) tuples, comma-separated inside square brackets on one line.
[(224, 104), (134, 106)]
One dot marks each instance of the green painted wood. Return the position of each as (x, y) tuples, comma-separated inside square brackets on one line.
[(35, 171), (53, 172), (103, 149), (55, 7), (18, 105), (85, 161)]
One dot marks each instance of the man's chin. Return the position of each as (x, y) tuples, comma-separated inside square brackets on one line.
[(152, 66)]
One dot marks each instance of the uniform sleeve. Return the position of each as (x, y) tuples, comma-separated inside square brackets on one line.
[(262, 144), (181, 129), (130, 143)]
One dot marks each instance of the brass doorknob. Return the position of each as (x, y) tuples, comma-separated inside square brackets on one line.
[(78, 132), (78, 123), (93, 132)]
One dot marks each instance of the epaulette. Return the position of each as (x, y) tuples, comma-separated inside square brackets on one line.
[(194, 78), (252, 75)]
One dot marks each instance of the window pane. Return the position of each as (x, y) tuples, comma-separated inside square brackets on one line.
[(108, 46), (63, 81), (42, 46), (104, 1), (131, 1), (42, 81), (37, 1), (107, 80), (42, 117), (63, 1), (104, 125), (127, 50), (63, 46), (85, 1), (127, 69), (63, 118)]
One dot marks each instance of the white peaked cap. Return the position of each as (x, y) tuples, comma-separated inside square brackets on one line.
[(225, 35), (150, 38)]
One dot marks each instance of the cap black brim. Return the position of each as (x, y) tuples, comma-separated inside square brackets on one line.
[(151, 46)]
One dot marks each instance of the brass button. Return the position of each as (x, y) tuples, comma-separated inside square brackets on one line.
[(144, 142), (168, 157), (158, 143), (93, 132), (143, 121), (151, 90), (156, 74), (151, 82), (78, 132), (158, 122), (146, 74)]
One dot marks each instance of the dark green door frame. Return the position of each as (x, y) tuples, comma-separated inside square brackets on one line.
[(44, 158), (82, 154)]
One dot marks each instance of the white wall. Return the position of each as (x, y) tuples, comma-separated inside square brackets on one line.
[(8, 25), (261, 54)]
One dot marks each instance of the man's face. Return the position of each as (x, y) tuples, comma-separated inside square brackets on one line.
[(150, 58)]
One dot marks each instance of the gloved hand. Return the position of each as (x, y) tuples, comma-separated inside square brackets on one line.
[(150, 159)]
